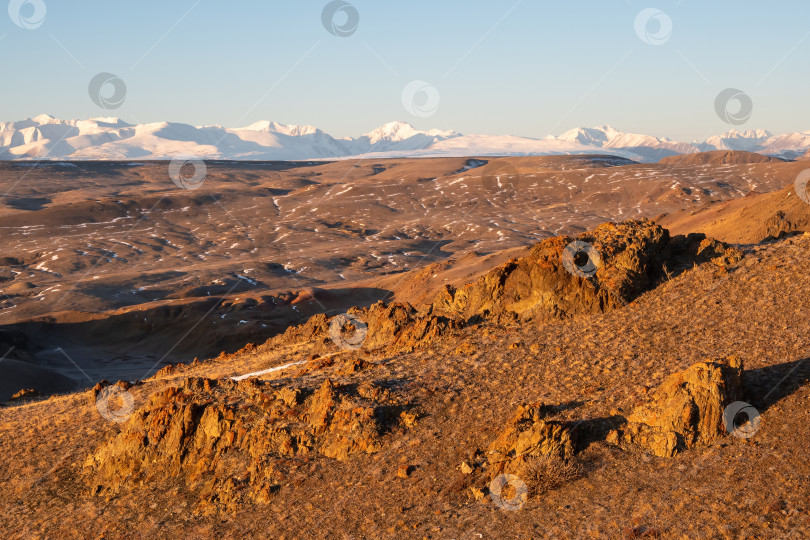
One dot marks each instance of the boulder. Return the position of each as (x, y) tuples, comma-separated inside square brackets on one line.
[(530, 433), (686, 410), (541, 284)]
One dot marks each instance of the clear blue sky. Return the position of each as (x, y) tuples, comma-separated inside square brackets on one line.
[(546, 67)]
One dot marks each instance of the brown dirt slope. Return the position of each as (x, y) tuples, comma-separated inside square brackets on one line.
[(749, 220), (719, 157)]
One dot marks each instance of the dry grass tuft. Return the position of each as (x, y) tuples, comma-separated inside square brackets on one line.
[(545, 473)]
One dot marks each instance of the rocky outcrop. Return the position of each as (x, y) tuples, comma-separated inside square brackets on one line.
[(404, 326), (560, 277), (540, 285), (26, 394), (696, 248), (686, 410), (229, 440), (396, 325), (530, 433), (780, 225), (594, 272)]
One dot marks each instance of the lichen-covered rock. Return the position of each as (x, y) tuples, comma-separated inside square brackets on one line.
[(224, 437), (686, 410), (530, 433)]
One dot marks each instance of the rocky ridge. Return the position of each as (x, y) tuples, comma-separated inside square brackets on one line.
[(594, 272), (232, 442), (560, 277)]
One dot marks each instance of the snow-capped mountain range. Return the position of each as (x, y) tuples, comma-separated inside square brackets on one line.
[(46, 137)]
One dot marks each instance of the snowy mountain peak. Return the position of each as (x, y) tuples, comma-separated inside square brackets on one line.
[(596, 136), (43, 119), (46, 137), (400, 131), (392, 132), (747, 134), (110, 121), (284, 129), (747, 140)]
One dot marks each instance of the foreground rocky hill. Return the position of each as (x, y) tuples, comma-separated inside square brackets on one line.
[(634, 385)]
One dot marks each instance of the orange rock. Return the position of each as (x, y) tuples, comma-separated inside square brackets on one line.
[(404, 471), (224, 427), (529, 433), (686, 410), (632, 257)]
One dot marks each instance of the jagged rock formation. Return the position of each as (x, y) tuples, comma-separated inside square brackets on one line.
[(631, 257), (696, 248), (530, 433), (781, 224), (396, 325), (229, 440), (628, 259), (686, 410), (26, 394)]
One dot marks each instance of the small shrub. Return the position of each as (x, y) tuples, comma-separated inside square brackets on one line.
[(544, 473)]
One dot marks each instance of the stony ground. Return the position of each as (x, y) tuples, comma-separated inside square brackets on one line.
[(465, 386)]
